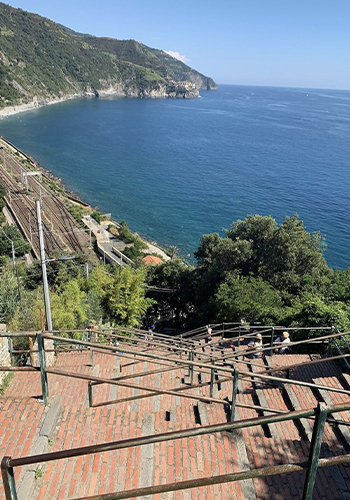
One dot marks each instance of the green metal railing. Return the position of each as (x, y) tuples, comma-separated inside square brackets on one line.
[(177, 360)]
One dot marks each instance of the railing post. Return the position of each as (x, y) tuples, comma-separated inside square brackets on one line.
[(234, 394), (90, 393), (272, 338), (212, 376), (330, 341), (223, 331), (8, 478), (43, 373), (315, 447), (329, 348), (191, 367), (239, 335), (91, 357), (181, 344)]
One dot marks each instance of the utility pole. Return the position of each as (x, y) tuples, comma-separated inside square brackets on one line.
[(43, 267), (16, 271)]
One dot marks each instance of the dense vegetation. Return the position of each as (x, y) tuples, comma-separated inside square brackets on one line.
[(44, 60), (258, 271)]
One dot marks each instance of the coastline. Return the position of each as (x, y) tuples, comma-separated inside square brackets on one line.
[(21, 108), (73, 197), (36, 104)]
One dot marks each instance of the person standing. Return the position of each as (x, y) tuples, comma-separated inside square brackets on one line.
[(149, 335)]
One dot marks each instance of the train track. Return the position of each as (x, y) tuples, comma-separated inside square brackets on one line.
[(23, 187)]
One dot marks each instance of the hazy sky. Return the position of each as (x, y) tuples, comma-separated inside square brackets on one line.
[(294, 43)]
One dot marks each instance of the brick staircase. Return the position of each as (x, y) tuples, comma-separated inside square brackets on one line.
[(74, 424)]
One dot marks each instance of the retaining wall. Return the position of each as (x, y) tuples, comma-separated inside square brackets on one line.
[(4, 352)]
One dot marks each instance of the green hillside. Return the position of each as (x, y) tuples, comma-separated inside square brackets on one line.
[(158, 60), (42, 60)]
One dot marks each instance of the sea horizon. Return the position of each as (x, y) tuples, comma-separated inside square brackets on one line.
[(178, 169)]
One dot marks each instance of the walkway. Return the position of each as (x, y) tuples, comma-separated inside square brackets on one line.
[(69, 422)]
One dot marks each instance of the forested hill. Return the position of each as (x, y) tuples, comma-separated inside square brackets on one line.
[(42, 60)]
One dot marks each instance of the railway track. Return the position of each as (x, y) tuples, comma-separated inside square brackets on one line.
[(61, 232)]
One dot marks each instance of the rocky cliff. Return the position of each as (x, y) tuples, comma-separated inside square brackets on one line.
[(41, 61)]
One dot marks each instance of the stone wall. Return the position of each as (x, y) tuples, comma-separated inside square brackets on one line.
[(50, 358), (5, 359)]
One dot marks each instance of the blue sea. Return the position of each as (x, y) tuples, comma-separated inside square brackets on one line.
[(178, 169)]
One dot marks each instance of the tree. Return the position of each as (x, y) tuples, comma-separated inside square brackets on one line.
[(9, 297), (124, 300), (247, 297), (172, 251), (68, 307), (9, 234), (27, 315), (174, 291), (286, 257), (311, 310), (257, 232), (292, 255)]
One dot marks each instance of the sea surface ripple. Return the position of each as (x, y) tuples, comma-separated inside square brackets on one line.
[(178, 169)]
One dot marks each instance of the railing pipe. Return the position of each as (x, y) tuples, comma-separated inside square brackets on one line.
[(345, 342), (283, 368), (196, 431), (249, 375), (136, 386), (139, 441), (141, 374), (341, 354), (18, 369), (141, 354)]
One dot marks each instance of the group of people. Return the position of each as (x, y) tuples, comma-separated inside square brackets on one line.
[(256, 345)]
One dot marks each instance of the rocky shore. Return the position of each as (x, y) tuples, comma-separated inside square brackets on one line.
[(180, 90)]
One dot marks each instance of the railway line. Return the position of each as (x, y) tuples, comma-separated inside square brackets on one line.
[(24, 185)]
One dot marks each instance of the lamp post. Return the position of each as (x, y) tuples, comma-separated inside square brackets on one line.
[(43, 267)]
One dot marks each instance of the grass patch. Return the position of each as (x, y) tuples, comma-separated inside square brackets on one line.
[(6, 383)]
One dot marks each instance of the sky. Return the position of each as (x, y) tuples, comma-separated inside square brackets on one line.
[(287, 43)]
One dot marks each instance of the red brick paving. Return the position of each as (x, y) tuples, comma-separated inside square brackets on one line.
[(21, 416)]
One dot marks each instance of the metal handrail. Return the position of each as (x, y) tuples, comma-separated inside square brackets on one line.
[(233, 374), (311, 465)]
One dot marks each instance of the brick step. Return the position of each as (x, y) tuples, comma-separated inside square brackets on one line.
[(173, 460), (152, 464), (27, 427), (331, 398), (337, 473)]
